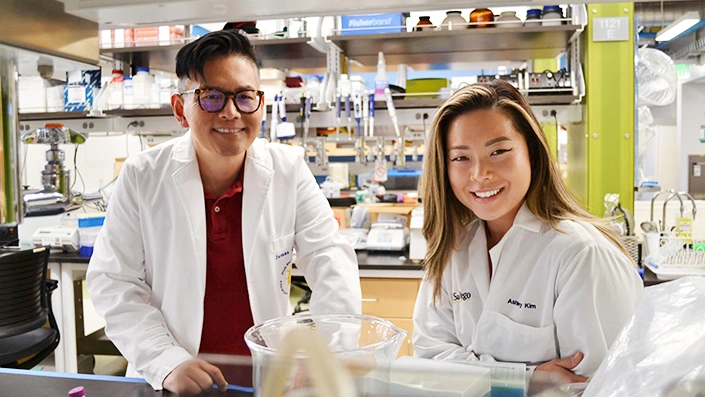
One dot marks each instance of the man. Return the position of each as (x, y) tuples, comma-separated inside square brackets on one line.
[(200, 232)]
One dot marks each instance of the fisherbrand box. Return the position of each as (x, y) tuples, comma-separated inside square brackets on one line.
[(373, 23), (81, 87)]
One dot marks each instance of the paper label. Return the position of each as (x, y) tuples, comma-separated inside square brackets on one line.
[(77, 94), (381, 170)]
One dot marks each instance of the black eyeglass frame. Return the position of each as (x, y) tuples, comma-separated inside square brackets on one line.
[(228, 95)]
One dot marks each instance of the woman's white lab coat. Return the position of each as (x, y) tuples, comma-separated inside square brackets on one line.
[(147, 275), (551, 295)]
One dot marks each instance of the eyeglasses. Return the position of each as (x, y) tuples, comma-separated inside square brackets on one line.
[(213, 100)]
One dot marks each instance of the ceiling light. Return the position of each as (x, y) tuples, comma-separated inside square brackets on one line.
[(680, 25)]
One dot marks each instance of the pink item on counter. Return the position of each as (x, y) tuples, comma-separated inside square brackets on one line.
[(79, 391)]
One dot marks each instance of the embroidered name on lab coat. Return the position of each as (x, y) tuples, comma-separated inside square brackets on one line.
[(461, 296), (521, 305), (286, 270)]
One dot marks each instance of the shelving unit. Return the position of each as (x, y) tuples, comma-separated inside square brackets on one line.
[(272, 53), (426, 47), (166, 112), (465, 45)]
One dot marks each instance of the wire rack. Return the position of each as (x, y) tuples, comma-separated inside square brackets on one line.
[(678, 256), (633, 248)]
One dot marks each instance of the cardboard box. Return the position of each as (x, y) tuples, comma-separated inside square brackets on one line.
[(388, 208), (373, 23), (117, 166), (32, 94), (81, 88)]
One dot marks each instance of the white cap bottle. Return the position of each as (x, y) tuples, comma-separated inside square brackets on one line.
[(381, 79)]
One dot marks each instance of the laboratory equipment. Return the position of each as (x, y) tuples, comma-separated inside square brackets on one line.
[(357, 110), (363, 343), (275, 119), (381, 79), (392, 110), (337, 117), (62, 238), (384, 236), (422, 377), (672, 257), (371, 108), (285, 129), (54, 197)]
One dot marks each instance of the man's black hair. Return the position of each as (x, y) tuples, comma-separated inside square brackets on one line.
[(192, 57)]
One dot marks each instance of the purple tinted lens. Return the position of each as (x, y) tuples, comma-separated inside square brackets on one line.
[(212, 100), (247, 101)]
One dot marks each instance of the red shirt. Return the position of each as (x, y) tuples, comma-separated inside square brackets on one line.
[(226, 307)]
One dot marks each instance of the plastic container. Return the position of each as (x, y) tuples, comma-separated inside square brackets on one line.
[(115, 90), (362, 343), (533, 17), (89, 226), (142, 88), (481, 15), (424, 24), (551, 16), (87, 237), (165, 91), (79, 391), (128, 98), (154, 94), (453, 20), (148, 36), (509, 19), (381, 79)]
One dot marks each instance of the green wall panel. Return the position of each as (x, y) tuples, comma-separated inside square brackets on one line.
[(609, 118)]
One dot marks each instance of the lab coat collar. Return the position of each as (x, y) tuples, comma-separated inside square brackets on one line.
[(527, 220), (184, 151)]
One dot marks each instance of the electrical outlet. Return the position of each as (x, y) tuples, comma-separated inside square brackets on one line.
[(9, 234)]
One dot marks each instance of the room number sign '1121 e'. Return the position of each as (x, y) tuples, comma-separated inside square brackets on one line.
[(610, 29)]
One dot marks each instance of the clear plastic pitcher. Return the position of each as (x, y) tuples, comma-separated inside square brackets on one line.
[(362, 343)]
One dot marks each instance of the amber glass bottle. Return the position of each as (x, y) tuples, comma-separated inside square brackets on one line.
[(424, 24), (481, 15)]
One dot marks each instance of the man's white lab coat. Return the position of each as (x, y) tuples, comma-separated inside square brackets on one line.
[(147, 275), (551, 295)]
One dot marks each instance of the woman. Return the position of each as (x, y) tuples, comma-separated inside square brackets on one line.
[(516, 269)]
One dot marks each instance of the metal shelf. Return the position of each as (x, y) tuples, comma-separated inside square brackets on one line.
[(426, 47), (447, 46), (408, 103), (292, 53)]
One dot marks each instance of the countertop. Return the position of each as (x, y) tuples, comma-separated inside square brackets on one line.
[(366, 261), (50, 384)]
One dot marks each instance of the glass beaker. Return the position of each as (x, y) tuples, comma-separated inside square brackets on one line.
[(362, 343)]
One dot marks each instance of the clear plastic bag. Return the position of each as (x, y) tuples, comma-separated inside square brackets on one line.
[(661, 350)]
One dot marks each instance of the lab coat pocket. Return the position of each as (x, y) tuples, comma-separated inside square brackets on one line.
[(507, 340), (283, 252)]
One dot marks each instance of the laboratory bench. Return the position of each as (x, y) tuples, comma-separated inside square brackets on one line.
[(16, 382), (389, 283), (392, 270)]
